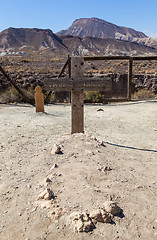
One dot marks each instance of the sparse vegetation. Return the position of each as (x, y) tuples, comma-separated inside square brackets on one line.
[(94, 97), (143, 94), (30, 71), (10, 95)]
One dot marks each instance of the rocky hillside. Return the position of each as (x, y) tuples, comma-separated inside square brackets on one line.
[(107, 46), (97, 28), (22, 38), (147, 41)]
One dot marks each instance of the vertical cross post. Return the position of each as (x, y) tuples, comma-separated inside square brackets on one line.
[(39, 99), (77, 97), (130, 78)]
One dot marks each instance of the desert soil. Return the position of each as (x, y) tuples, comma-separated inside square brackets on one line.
[(79, 181)]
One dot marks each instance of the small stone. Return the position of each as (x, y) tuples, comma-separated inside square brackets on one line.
[(100, 215), (75, 216), (47, 194), (107, 169), (81, 222), (96, 216), (48, 180), (54, 166), (59, 174), (34, 209), (78, 227), (112, 207), (99, 169), (100, 110), (106, 216), (56, 149)]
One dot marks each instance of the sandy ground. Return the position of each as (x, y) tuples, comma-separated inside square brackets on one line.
[(129, 149)]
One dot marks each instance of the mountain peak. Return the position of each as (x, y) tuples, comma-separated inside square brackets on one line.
[(95, 27)]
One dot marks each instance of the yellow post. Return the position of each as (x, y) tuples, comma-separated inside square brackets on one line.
[(39, 99)]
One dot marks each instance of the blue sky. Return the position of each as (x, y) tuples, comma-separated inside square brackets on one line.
[(58, 15)]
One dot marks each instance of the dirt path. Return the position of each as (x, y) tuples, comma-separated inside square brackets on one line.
[(129, 134)]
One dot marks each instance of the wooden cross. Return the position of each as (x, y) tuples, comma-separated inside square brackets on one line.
[(77, 84), (77, 97)]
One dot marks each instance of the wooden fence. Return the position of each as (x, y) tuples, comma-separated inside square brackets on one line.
[(105, 58), (86, 59)]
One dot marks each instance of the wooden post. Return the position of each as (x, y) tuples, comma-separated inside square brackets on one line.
[(16, 86), (77, 101), (39, 99), (69, 73), (63, 69), (77, 97), (130, 78)]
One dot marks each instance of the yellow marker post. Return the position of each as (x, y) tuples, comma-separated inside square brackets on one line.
[(39, 99)]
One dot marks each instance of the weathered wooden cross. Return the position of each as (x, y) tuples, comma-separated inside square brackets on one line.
[(77, 84)]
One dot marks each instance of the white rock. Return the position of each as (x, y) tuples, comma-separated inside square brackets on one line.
[(112, 207), (47, 194), (100, 215), (75, 216), (56, 149), (96, 215), (78, 226), (54, 166), (81, 222)]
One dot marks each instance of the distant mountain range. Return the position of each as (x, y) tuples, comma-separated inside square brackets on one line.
[(86, 36)]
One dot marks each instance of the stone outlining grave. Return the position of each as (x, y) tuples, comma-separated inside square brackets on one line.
[(69, 195)]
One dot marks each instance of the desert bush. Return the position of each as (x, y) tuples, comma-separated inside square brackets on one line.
[(10, 95), (93, 97), (143, 94)]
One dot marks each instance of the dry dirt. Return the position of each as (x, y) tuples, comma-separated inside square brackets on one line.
[(128, 153)]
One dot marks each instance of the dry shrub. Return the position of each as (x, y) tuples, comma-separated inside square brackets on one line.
[(94, 97), (11, 95), (143, 94)]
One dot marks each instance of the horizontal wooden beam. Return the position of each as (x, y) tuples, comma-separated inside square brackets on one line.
[(86, 84), (95, 58), (145, 58)]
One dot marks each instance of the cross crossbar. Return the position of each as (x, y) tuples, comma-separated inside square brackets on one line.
[(85, 84)]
